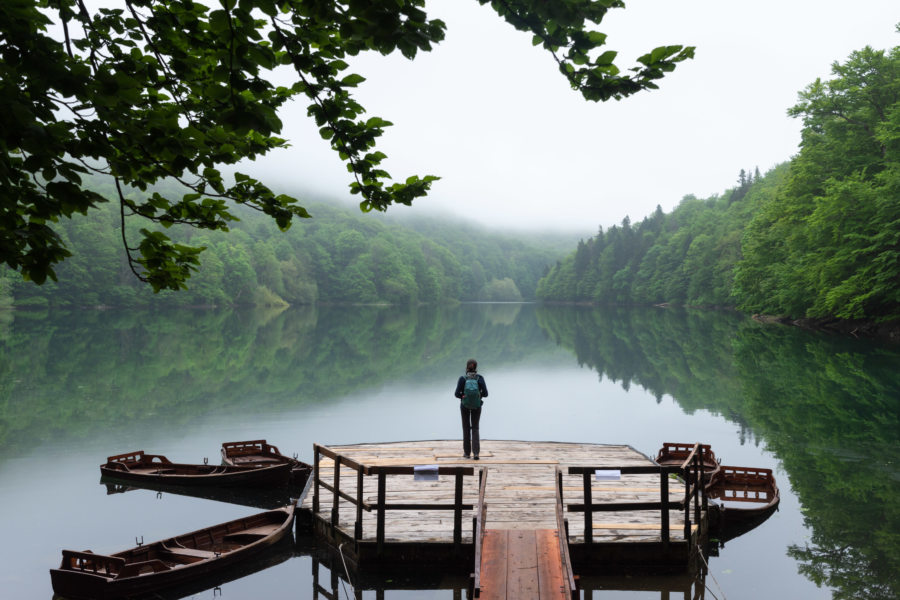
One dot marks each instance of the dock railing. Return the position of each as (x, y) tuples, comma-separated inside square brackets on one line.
[(381, 506), (562, 528), (478, 523), (691, 471), (694, 487)]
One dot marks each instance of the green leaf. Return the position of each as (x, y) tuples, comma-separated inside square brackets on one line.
[(352, 80)]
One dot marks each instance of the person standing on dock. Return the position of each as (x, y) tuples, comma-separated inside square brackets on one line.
[(471, 389)]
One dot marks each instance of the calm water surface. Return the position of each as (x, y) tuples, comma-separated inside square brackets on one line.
[(77, 387)]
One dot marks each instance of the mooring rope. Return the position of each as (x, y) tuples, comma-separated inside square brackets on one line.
[(708, 570), (346, 572)]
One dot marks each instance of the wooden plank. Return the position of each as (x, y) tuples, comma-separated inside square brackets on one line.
[(602, 489), (494, 568), (517, 461), (522, 574), (459, 455), (376, 450), (383, 461), (551, 581), (639, 526)]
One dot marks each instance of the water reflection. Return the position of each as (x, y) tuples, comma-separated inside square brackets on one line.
[(332, 579), (673, 587), (268, 498), (135, 370), (827, 406), (85, 384)]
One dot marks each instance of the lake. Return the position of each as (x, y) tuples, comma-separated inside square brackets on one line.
[(822, 411)]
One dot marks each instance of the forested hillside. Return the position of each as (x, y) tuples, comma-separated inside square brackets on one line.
[(818, 236), (339, 256)]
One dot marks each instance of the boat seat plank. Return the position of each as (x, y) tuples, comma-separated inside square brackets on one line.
[(246, 536), (153, 471), (261, 530), (194, 552), (148, 566)]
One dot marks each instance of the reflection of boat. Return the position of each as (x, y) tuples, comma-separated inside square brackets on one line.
[(170, 562), (267, 497), (260, 453), (141, 467), (674, 454), (743, 494)]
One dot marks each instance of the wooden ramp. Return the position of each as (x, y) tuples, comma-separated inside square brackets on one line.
[(522, 564)]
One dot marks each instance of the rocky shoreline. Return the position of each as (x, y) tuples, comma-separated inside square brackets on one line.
[(860, 328)]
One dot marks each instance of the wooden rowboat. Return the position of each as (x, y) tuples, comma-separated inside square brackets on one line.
[(740, 498), (140, 467), (170, 562), (261, 453), (743, 494), (674, 454)]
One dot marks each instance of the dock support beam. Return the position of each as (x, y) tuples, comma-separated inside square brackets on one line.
[(588, 513)]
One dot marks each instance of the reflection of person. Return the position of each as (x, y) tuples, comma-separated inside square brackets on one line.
[(470, 389)]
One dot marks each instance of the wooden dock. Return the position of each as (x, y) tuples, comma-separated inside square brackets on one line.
[(413, 503)]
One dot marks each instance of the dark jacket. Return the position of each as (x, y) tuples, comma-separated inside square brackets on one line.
[(461, 384)]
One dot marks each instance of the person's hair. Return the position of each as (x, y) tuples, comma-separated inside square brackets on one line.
[(471, 365)]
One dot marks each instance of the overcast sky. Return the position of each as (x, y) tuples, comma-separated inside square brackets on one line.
[(516, 147)]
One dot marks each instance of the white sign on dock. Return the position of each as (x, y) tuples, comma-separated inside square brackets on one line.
[(607, 475), (425, 473)]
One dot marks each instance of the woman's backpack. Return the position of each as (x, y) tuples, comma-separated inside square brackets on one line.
[(471, 392)]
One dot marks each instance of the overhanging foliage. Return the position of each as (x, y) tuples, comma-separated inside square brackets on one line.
[(154, 90)]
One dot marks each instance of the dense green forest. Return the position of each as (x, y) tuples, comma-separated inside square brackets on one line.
[(340, 256), (818, 236)]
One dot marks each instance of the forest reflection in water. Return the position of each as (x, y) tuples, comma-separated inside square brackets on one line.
[(77, 386)]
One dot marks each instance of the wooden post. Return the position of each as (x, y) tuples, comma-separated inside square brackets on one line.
[(315, 575), (687, 502), (457, 511), (588, 513), (699, 471), (703, 501), (559, 482), (379, 527), (336, 494), (664, 498), (358, 529), (316, 474)]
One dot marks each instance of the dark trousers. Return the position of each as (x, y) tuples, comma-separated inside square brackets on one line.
[(470, 419)]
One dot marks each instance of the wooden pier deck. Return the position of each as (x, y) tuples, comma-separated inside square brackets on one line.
[(384, 513)]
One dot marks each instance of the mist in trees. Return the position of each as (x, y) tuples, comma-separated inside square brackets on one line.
[(340, 257)]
